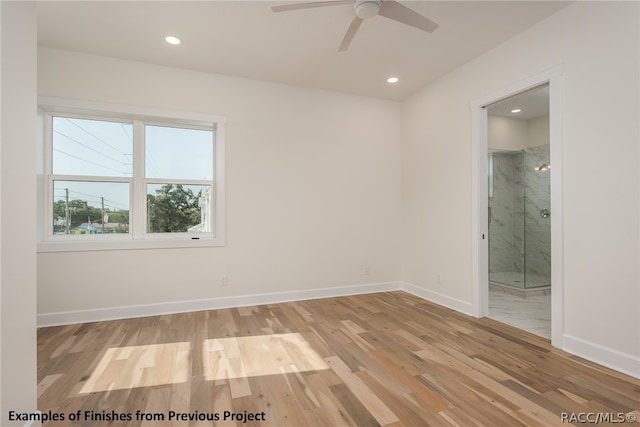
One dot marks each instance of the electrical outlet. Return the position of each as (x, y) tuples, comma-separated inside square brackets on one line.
[(224, 280), (366, 270)]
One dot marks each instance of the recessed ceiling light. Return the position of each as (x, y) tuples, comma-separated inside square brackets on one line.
[(173, 40), (517, 110), (393, 80)]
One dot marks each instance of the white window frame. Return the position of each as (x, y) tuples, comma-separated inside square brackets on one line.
[(138, 237)]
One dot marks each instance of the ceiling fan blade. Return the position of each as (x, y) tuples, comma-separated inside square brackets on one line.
[(393, 10), (310, 5), (351, 32)]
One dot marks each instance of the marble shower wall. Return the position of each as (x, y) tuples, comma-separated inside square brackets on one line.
[(519, 237), (506, 222)]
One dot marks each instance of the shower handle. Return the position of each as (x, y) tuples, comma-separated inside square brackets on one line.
[(545, 213)]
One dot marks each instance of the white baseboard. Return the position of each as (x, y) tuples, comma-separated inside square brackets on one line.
[(144, 310), (614, 359), (438, 298)]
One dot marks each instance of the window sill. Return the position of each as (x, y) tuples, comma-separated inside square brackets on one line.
[(121, 245)]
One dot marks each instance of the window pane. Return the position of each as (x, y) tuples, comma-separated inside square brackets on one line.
[(178, 153), (175, 208), (91, 147), (81, 207)]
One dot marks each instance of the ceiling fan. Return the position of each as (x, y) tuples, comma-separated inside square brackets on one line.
[(366, 9)]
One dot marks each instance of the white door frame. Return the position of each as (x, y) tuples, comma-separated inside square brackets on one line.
[(480, 196)]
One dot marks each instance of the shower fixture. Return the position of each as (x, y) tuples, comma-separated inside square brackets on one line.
[(542, 168)]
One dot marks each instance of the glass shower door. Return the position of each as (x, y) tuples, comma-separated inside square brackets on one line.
[(537, 218), (506, 220), (520, 218)]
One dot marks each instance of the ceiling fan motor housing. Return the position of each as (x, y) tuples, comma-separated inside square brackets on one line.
[(366, 9)]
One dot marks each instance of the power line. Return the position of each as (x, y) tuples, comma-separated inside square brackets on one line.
[(153, 165), (87, 161), (112, 204), (73, 122), (115, 205), (111, 208), (88, 147), (129, 137), (85, 194)]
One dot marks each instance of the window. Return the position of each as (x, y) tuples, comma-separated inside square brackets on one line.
[(91, 176), (118, 179), (178, 178)]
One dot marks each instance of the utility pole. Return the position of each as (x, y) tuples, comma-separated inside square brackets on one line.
[(102, 200), (67, 216)]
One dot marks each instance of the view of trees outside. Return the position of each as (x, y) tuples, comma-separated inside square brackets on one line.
[(170, 208), (173, 208)]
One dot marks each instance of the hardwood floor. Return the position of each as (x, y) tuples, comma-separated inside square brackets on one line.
[(386, 359)]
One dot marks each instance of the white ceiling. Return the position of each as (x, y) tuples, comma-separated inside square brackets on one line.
[(533, 104), (245, 38)]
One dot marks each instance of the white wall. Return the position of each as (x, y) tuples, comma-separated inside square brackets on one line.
[(313, 189), (506, 133), (601, 206), (17, 210), (538, 131)]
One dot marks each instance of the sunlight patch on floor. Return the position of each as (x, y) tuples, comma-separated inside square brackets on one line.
[(141, 366), (241, 357), (233, 359)]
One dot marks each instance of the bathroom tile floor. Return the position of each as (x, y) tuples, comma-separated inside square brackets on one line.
[(517, 279), (531, 314)]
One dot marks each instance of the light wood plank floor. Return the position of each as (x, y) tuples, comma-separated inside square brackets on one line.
[(386, 359)]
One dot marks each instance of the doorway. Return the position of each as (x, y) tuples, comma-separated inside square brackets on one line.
[(529, 274), (519, 211)]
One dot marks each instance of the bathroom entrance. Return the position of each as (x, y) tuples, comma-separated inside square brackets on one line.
[(510, 160), (519, 211)]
